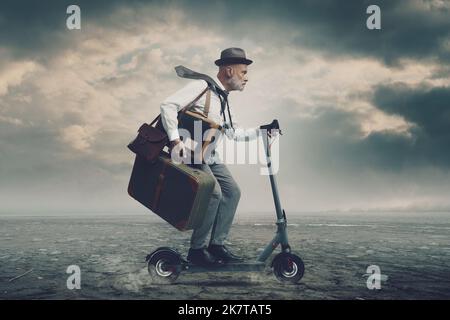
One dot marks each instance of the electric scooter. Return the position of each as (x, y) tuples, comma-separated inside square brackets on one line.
[(165, 264)]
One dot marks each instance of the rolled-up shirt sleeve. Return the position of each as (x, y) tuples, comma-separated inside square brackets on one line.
[(173, 104)]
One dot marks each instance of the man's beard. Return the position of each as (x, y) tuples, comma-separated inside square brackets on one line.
[(235, 84)]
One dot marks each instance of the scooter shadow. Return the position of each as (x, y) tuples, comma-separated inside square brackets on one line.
[(217, 283)]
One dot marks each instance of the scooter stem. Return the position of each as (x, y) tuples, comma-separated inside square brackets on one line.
[(273, 181), (280, 237)]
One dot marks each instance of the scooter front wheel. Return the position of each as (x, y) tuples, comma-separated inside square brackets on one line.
[(164, 267), (288, 267)]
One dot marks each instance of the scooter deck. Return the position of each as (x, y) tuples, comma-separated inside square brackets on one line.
[(228, 267)]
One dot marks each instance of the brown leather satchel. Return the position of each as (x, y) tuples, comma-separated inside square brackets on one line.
[(151, 140)]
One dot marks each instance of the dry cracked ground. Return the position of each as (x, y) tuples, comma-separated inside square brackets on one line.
[(412, 252)]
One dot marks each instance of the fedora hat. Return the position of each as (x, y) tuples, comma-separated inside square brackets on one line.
[(232, 56)]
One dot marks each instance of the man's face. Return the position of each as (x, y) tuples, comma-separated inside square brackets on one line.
[(238, 77)]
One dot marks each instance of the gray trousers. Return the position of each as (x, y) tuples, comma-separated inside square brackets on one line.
[(221, 209)]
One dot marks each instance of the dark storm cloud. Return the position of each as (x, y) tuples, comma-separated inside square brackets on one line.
[(333, 27), (37, 29), (334, 139), (30, 28), (429, 110), (339, 27), (334, 144)]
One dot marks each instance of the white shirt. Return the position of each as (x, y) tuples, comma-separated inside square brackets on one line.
[(173, 104)]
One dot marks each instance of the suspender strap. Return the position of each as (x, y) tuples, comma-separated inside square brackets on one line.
[(229, 114), (207, 103), (224, 105), (222, 108)]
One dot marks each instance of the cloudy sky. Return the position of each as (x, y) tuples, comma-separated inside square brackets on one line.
[(366, 113)]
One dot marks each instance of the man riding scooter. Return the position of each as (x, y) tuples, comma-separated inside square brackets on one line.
[(222, 207)]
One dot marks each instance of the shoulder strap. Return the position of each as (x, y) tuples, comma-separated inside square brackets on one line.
[(154, 120), (194, 101), (207, 103), (185, 108)]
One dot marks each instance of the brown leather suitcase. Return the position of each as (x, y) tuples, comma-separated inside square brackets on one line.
[(178, 193)]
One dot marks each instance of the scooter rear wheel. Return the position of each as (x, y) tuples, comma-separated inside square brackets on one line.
[(164, 267), (288, 267)]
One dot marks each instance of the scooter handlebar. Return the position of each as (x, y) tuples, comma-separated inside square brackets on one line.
[(273, 125)]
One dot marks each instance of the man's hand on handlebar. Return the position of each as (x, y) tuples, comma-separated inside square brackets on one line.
[(274, 133)]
